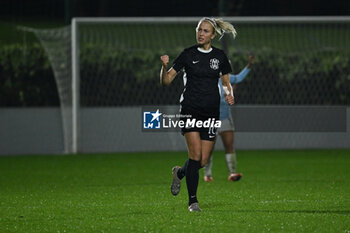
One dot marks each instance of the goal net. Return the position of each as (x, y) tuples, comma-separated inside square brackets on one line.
[(115, 68)]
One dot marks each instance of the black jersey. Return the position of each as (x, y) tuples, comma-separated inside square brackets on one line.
[(203, 69)]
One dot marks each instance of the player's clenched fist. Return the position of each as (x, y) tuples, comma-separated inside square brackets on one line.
[(165, 59)]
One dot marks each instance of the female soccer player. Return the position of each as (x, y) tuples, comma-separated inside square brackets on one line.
[(200, 100), (226, 130)]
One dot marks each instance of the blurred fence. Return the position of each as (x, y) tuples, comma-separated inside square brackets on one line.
[(299, 61)]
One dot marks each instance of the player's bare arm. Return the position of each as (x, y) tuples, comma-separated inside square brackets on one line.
[(227, 89), (166, 76)]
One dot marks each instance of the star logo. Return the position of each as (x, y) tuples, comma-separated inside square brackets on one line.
[(151, 119), (156, 115)]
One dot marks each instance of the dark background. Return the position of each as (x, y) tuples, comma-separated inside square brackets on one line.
[(27, 79), (63, 10)]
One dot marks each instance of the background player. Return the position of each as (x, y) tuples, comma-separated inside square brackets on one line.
[(226, 131)]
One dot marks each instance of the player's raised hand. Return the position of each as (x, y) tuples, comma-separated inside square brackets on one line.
[(166, 77), (230, 99), (250, 61), (165, 60)]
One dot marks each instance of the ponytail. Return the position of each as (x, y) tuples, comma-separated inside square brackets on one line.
[(220, 26)]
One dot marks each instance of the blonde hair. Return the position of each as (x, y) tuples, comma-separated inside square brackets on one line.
[(220, 26)]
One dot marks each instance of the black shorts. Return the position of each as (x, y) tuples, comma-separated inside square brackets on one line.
[(207, 130)]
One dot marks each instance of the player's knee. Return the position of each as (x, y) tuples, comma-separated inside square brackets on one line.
[(195, 155)]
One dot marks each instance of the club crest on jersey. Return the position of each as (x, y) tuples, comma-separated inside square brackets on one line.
[(214, 63)]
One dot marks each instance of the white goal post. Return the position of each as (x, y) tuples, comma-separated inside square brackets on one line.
[(76, 37)]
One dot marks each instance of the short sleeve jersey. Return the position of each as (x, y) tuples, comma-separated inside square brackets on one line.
[(203, 69)]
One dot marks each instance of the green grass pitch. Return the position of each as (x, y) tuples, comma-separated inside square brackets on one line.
[(281, 191)]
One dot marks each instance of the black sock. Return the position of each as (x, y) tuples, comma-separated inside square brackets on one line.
[(192, 177), (182, 171)]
